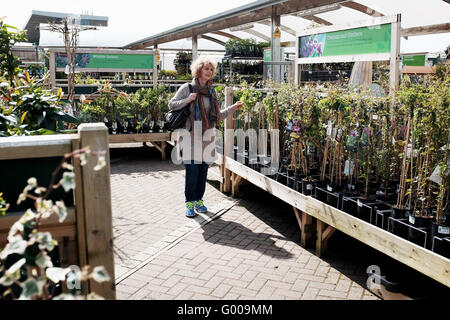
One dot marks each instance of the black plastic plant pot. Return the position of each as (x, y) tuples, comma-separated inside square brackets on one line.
[(441, 246), (420, 231), (440, 231), (399, 227), (290, 182), (381, 218), (349, 205), (308, 185), (401, 213), (330, 198), (281, 178)]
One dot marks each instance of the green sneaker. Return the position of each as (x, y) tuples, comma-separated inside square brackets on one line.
[(200, 207), (190, 213)]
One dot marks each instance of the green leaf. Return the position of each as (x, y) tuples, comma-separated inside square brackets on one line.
[(100, 274), (17, 245), (68, 181), (45, 241), (31, 287), (56, 274), (22, 119), (43, 260), (61, 210), (8, 279)]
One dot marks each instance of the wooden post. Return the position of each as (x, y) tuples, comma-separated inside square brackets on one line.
[(324, 232), (305, 223), (80, 213), (97, 208), (236, 182), (228, 140)]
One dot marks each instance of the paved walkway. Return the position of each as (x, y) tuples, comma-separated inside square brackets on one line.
[(246, 248)]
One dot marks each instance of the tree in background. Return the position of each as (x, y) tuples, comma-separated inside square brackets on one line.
[(9, 63), (183, 62)]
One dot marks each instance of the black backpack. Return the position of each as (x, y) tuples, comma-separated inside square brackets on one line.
[(176, 119)]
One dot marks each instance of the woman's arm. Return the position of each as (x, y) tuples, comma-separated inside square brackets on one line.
[(182, 98), (227, 111)]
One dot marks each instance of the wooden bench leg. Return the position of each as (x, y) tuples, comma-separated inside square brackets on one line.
[(324, 232), (235, 183), (163, 150), (305, 223)]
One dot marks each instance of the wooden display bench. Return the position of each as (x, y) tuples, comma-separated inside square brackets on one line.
[(85, 237), (329, 219), (157, 140)]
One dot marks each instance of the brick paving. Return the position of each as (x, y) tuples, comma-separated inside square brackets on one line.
[(246, 248)]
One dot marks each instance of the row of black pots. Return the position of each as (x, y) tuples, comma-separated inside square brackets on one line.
[(131, 128), (377, 209)]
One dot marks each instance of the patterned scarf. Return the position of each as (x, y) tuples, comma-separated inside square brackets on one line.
[(210, 121)]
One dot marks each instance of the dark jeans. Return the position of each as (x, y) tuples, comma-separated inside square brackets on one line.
[(195, 183)]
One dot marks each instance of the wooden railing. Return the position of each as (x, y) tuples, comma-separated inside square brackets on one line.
[(85, 237)]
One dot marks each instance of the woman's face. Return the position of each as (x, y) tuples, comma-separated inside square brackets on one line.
[(207, 72)]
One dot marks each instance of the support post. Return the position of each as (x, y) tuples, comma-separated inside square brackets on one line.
[(394, 68), (305, 222), (52, 70), (275, 44), (97, 208), (194, 48), (236, 182), (155, 67), (324, 232), (228, 140)]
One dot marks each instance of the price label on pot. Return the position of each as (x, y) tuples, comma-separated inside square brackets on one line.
[(359, 203), (330, 189), (412, 220), (444, 230), (309, 187)]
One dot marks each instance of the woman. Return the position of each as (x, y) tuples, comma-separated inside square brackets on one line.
[(205, 114)]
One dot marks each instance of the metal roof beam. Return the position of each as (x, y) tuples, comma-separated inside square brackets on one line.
[(225, 34), (362, 8), (282, 27), (424, 30), (212, 39), (257, 34), (253, 12)]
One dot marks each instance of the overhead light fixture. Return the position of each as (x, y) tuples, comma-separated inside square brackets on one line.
[(242, 27), (318, 10)]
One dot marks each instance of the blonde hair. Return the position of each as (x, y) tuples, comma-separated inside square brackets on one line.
[(198, 65)]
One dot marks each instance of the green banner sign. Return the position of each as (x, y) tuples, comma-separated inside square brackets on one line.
[(414, 60), (107, 61), (365, 40)]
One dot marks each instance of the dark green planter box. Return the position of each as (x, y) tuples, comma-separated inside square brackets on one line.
[(15, 173)]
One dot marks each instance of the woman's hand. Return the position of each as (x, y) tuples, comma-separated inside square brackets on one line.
[(238, 105), (191, 97)]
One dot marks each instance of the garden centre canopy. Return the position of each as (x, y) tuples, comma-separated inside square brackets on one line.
[(38, 17), (290, 15)]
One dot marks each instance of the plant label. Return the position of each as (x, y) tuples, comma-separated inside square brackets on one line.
[(329, 128), (309, 187), (330, 189), (412, 220), (360, 204), (443, 230)]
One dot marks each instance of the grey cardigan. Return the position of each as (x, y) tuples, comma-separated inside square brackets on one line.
[(179, 101)]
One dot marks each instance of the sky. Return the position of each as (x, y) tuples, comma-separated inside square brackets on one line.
[(132, 20)]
